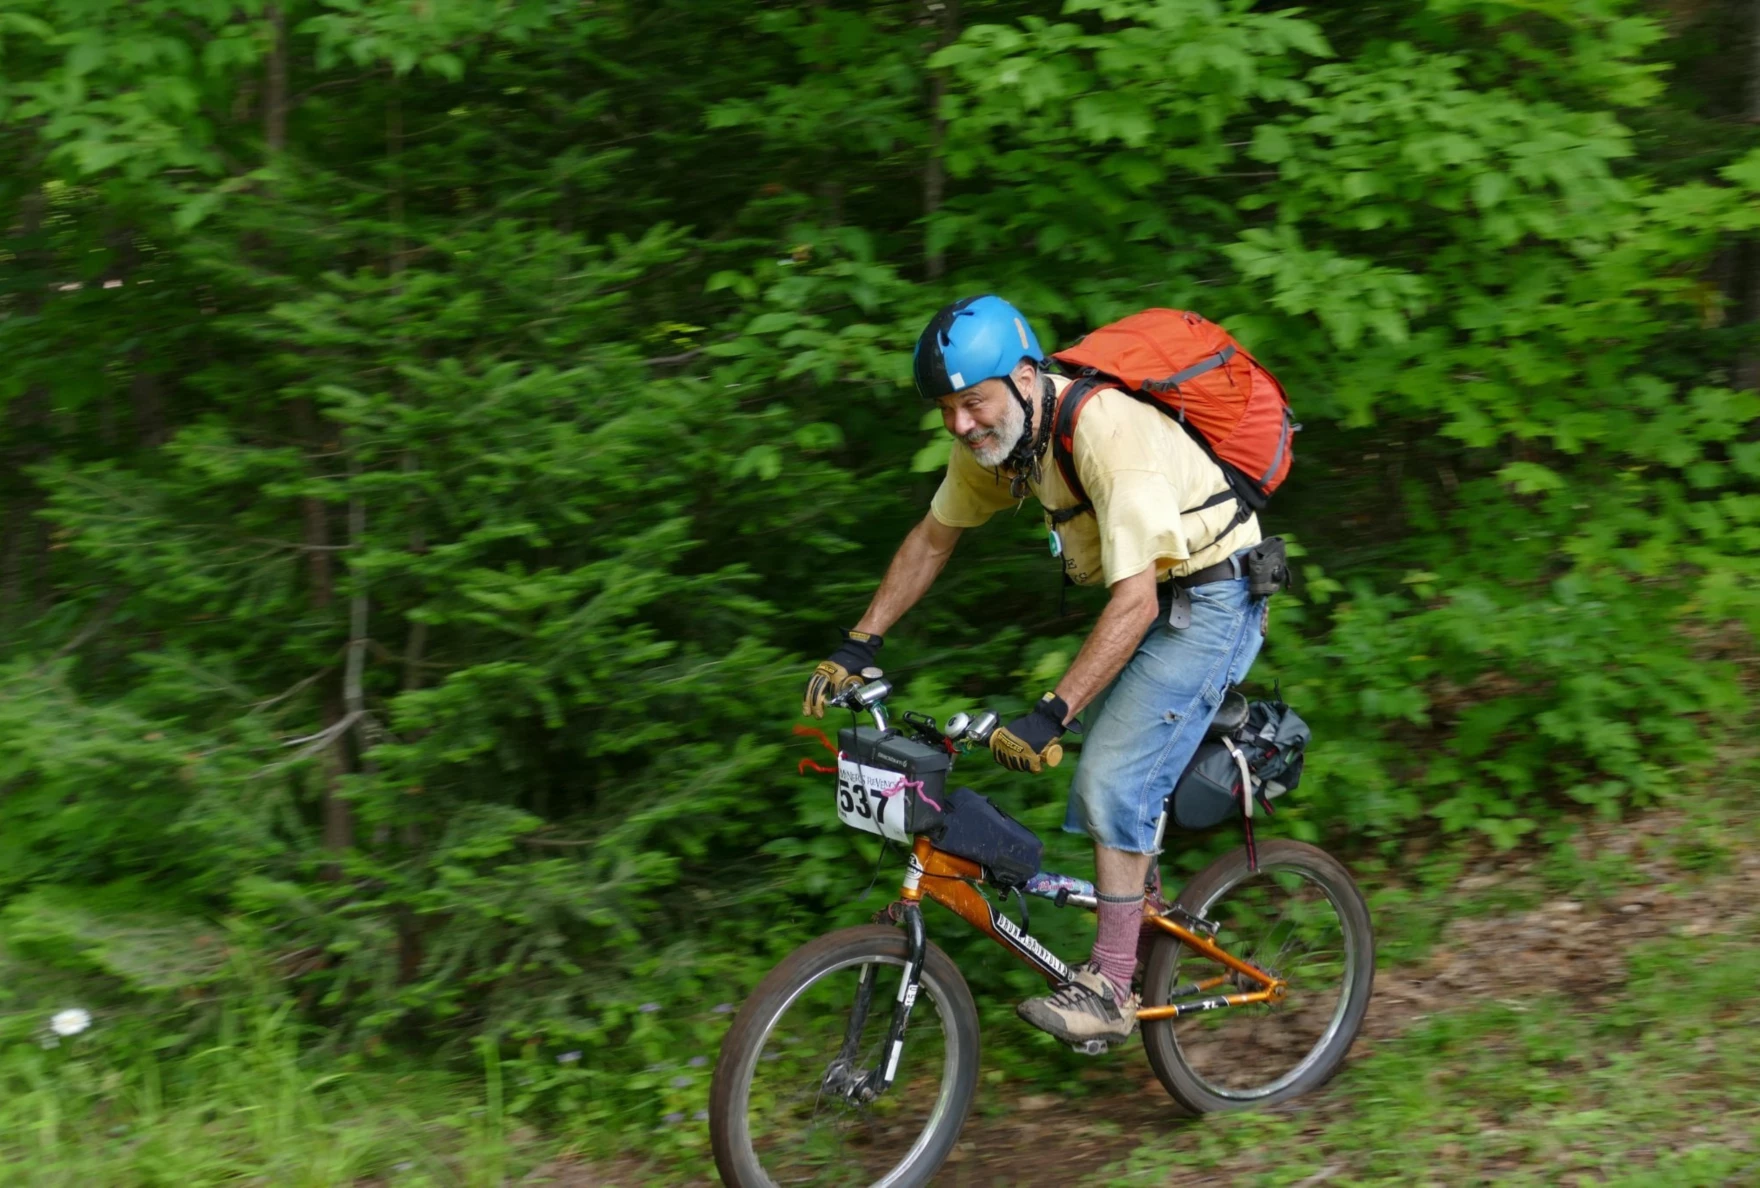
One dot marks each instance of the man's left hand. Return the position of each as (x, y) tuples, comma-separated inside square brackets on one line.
[(1029, 743)]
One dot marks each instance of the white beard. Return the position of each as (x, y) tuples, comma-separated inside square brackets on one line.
[(991, 447)]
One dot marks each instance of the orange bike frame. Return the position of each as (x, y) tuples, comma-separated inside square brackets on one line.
[(952, 882)]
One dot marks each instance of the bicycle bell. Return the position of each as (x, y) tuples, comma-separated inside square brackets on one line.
[(956, 725)]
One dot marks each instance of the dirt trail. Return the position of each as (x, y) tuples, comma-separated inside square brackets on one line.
[(1575, 945)]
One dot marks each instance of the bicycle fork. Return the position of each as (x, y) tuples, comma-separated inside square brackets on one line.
[(863, 1086)]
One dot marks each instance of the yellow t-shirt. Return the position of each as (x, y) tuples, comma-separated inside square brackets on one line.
[(1140, 468)]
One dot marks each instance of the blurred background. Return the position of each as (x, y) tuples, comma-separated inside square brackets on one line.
[(441, 435)]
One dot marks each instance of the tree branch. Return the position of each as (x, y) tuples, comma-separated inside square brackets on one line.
[(106, 610)]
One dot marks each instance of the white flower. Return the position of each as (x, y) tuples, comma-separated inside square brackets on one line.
[(70, 1022)]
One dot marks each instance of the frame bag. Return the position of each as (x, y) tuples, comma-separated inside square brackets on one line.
[(976, 829)]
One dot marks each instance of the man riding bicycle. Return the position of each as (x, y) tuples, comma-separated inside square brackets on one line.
[(1177, 630)]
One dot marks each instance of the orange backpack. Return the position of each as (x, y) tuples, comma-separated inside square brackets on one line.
[(1195, 372)]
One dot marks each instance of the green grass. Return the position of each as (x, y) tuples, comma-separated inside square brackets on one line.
[(1653, 1086), (244, 1108), (1658, 1088)]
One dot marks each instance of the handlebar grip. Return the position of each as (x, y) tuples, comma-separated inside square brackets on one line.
[(1053, 754)]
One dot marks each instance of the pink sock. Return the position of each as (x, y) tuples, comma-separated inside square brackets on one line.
[(1149, 931), (1115, 944)]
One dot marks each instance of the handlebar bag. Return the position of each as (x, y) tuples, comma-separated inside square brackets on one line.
[(903, 767), (976, 829)]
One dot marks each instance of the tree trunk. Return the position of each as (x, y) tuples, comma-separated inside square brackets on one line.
[(1748, 366), (934, 170), (338, 813), (149, 407), (275, 83), (394, 150), (144, 393), (321, 584), (24, 559)]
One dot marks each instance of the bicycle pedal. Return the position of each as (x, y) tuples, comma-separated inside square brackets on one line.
[(1093, 1047)]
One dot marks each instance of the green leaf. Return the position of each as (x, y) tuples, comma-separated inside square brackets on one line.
[(195, 209), (1531, 478), (447, 66)]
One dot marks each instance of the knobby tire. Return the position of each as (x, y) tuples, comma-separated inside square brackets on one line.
[(1160, 1039), (943, 990)]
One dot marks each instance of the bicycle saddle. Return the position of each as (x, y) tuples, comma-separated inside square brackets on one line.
[(1231, 715)]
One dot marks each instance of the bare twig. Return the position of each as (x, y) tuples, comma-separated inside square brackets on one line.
[(296, 546), (670, 360), (685, 356), (329, 84), (280, 697), (323, 737), (320, 741), (106, 610)]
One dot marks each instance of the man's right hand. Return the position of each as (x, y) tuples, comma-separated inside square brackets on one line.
[(840, 671)]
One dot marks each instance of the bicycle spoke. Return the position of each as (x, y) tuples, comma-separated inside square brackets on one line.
[(1281, 923), (808, 1131)]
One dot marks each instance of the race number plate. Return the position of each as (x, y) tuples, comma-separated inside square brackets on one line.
[(866, 800)]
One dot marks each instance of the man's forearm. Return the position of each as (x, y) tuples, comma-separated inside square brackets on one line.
[(914, 567), (1127, 615)]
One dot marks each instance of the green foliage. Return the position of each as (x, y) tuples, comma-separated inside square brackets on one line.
[(441, 437)]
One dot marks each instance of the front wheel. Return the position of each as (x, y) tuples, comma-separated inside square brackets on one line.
[(1299, 917), (776, 1112)]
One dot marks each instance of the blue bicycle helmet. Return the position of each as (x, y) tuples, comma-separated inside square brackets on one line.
[(970, 341)]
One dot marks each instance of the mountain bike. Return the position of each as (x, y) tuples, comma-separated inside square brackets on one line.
[(833, 1072)]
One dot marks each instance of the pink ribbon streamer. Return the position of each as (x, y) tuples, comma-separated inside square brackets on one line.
[(902, 785)]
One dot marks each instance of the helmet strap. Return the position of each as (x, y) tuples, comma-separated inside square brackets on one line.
[(1022, 462)]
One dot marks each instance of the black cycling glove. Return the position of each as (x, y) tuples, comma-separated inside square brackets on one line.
[(841, 670), (1029, 743)]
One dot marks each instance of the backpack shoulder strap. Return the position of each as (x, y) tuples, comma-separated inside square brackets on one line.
[(1063, 443)]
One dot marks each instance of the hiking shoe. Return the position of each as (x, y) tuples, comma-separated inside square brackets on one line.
[(1082, 1009), (1093, 966)]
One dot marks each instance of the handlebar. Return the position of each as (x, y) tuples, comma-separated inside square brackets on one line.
[(960, 728)]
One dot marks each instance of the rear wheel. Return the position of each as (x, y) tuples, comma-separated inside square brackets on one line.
[(1299, 917), (776, 1112)]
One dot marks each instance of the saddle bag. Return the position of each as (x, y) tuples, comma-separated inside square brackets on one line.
[(1264, 753), (976, 829)]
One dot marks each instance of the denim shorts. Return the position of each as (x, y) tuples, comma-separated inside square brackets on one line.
[(1153, 716)]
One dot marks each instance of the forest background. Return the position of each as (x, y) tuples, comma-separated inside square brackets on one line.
[(440, 436)]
